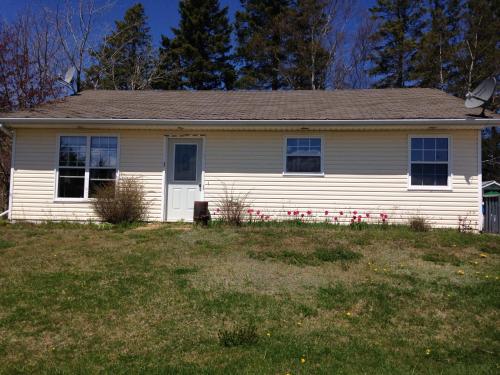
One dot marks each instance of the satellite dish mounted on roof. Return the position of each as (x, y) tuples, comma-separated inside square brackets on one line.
[(68, 79), (481, 95)]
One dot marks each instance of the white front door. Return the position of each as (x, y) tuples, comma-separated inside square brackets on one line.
[(184, 164)]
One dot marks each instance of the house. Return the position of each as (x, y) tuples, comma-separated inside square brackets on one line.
[(401, 152), (491, 189)]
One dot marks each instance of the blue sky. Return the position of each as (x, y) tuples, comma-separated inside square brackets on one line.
[(163, 14)]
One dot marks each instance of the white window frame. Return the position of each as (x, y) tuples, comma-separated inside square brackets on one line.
[(321, 173), (449, 186), (87, 165)]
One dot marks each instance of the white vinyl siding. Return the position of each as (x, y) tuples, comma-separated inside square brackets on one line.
[(363, 170), (140, 155)]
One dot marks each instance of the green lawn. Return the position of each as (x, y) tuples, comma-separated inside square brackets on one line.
[(322, 299)]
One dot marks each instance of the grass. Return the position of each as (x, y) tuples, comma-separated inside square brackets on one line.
[(266, 298)]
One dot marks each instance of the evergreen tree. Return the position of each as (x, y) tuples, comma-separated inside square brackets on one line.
[(434, 59), (396, 41), (478, 53), (308, 29), (198, 55), (125, 59), (491, 154), (262, 44)]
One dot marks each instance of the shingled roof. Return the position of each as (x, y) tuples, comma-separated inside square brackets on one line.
[(375, 104)]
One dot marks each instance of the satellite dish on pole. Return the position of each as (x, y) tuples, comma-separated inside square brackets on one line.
[(68, 79), (480, 96)]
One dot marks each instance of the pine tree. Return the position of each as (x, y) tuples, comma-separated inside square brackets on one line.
[(434, 59), (262, 44), (478, 52), (125, 60), (491, 154), (396, 41), (308, 29), (198, 55)]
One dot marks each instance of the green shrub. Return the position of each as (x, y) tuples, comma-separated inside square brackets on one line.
[(238, 336)]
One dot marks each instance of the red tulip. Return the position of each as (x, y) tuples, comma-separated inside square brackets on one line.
[(336, 218), (367, 214), (341, 213), (309, 212), (301, 215), (258, 212), (289, 213), (326, 212), (218, 210), (296, 212), (359, 219), (355, 212)]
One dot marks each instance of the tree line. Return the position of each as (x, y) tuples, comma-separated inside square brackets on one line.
[(451, 45)]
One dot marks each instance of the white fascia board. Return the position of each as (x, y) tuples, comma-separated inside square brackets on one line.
[(159, 123)]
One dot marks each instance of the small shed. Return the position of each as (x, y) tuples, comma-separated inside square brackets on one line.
[(491, 189)]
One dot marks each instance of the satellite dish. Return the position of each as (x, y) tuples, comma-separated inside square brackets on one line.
[(70, 73), (481, 94), (67, 81)]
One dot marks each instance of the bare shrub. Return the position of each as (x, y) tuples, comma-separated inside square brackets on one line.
[(124, 203), (232, 206), (465, 224), (419, 224)]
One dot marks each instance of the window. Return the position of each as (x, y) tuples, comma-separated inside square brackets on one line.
[(303, 155), (82, 159), (185, 162), (429, 164)]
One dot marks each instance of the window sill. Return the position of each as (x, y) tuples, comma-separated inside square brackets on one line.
[(72, 200), (430, 188), (289, 174)]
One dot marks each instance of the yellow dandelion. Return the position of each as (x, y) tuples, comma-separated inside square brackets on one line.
[(375, 269), (460, 272), (428, 351), (487, 276), (348, 313), (302, 360), (483, 255), (269, 334), (299, 323)]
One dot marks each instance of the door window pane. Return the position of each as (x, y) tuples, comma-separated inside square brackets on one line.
[(185, 157)]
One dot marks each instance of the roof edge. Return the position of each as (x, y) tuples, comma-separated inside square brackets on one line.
[(19, 122)]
